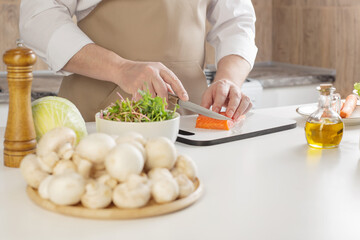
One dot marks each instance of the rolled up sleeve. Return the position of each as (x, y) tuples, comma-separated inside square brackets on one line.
[(47, 27), (233, 29)]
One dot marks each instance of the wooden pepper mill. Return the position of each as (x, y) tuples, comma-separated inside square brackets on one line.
[(20, 131)]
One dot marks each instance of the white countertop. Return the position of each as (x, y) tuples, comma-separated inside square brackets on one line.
[(268, 187)]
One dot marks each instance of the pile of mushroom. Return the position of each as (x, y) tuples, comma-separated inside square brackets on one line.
[(127, 171)]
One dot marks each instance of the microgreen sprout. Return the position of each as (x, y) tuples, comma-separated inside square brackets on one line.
[(147, 109)]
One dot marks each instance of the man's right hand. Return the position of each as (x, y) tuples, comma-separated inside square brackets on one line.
[(102, 64), (154, 76)]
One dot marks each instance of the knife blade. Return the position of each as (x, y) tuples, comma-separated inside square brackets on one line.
[(196, 108)]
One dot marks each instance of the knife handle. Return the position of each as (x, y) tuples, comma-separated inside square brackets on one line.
[(172, 98)]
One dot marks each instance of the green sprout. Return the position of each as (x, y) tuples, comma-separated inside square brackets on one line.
[(147, 109)]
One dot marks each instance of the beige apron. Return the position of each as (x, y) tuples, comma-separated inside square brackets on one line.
[(168, 31)]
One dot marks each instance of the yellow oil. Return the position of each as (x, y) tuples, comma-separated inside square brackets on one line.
[(326, 134)]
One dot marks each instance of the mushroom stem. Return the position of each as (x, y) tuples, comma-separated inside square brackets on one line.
[(66, 151)]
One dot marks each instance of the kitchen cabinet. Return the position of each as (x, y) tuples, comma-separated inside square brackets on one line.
[(268, 187), (289, 84), (285, 96)]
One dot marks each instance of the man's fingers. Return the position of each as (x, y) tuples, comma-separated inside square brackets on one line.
[(150, 87), (234, 101), (160, 87), (207, 98), (170, 78), (136, 96), (248, 108), (222, 91), (170, 90), (245, 105)]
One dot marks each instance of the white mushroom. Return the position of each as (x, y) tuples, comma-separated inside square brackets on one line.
[(134, 193), (108, 180), (84, 168), (97, 195), (44, 187), (53, 145), (66, 151), (139, 146), (63, 166), (48, 162), (131, 136), (164, 187), (186, 186), (66, 188), (124, 160), (165, 190), (184, 164), (159, 173), (94, 147), (160, 152), (31, 171)]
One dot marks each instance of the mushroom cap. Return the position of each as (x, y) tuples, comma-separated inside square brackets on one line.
[(165, 190), (66, 188), (124, 160), (159, 173), (95, 146), (97, 195), (139, 146), (31, 171), (63, 166), (186, 186), (134, 193), (54, 139), (184, 164), (44, 187), (160, 152)]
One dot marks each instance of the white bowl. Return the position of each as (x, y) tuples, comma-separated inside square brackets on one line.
[(167, 128)]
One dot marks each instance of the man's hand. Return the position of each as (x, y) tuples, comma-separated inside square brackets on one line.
[(99, 63), (152, 75), (225, 91)]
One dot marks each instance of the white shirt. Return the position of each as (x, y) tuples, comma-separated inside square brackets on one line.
[(47, 27)]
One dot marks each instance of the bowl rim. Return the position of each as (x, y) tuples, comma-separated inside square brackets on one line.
[(97, 118)]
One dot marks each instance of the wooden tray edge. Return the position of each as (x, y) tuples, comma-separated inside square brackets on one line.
[(118, 213)]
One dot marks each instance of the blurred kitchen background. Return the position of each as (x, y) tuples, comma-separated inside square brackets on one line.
[(302, 43)]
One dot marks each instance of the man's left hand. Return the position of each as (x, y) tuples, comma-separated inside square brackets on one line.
[(225, 93)]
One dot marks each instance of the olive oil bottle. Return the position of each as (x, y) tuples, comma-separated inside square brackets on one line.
[(324, 128)]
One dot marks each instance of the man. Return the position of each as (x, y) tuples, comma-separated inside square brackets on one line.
[(119, 45)]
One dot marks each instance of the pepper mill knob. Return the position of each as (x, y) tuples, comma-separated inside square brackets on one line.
[(20, 131)]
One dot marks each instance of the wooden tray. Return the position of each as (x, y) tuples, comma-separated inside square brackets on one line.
[(113, 212)]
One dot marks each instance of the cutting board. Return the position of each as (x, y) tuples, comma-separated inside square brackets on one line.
[(254, 125)]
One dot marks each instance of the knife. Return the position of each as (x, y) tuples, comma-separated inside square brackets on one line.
[(196, 108)]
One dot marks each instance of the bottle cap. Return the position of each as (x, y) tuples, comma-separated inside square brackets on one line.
[(326, 88)]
